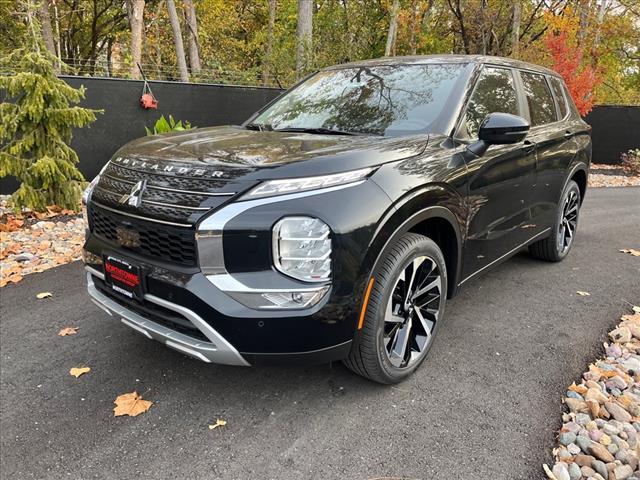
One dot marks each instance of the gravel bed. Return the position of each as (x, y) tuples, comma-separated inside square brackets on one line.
[(602, 175), (38, 244), (600, 435)]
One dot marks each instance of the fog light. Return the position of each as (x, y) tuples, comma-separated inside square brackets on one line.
[(280, 299)]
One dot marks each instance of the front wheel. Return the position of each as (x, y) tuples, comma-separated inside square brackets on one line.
[(404, 310), (557, 245)]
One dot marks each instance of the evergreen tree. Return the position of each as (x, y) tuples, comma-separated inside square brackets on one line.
[(36, 122)]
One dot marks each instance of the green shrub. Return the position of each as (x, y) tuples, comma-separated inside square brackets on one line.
[(164, 126), (631, 161), (36, 122)]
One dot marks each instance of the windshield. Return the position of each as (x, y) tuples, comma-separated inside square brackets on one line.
[(380, 100)]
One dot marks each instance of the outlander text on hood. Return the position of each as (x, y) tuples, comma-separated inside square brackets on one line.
[(336, 222)]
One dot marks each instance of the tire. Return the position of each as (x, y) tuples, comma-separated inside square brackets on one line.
[(556, 246), (376, 352)]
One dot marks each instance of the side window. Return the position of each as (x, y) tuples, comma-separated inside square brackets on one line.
[(541, 106), (558, 92), (495, 92)]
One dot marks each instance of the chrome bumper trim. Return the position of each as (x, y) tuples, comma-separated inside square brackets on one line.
[(218, 351)]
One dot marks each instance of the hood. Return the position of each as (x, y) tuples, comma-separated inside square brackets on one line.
[(255, 155), (183, 176)]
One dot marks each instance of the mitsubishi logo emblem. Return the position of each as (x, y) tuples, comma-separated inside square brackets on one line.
[(134, 197)]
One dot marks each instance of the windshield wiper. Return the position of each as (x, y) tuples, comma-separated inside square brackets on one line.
[(319, 130), (261, 127)]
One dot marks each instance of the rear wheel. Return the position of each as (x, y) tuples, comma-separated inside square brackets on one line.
[(405, 309), (556, 247)]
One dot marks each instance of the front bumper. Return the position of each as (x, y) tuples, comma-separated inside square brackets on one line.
[(216, 350)]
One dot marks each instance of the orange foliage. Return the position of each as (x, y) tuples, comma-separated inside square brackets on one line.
[(567, 59)]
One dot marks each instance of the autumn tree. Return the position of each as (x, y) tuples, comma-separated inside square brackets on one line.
[(580, 79), (36, 122)]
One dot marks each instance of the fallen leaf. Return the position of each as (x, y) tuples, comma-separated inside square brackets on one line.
[(550, 475), (44, 295), (219, 423), (130, 404), (77, 371), (631, 251), (636, 309), (14, 278), (68, 331), (583, 294)]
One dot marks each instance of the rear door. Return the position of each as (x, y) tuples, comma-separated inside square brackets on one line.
[(500, 181), (552, 133)]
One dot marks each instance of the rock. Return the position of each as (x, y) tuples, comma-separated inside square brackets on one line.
[(565, 438), (574, 472), (582, 418), (601, 468), (605, 439), (584, 443), (594, 408), (617, 382), (621, 335), (634, 409), (626, 456), (597, 395), (614, 350), (613, 448), (576, 405), (595, 435), (24, 257), (584, 460), (610, 429), (570, 427), (573, 449), (601, 453), (622, 472), (561, 472), (631, 364), (576, 395), (636, 425), (617, 412)]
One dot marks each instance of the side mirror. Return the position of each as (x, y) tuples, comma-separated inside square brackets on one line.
[(499, 129)]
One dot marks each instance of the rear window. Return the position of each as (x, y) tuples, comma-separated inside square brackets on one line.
[(542, 108), (558, 92)]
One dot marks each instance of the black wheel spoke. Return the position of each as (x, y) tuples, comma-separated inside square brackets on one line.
[(412, 311)]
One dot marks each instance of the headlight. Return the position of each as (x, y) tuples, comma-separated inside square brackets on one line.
[(86, 195), (295, 185), (302, 248)]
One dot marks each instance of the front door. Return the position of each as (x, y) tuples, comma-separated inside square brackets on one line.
[(501, 181)]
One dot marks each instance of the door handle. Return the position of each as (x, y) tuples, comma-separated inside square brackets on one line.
[(528, 146)]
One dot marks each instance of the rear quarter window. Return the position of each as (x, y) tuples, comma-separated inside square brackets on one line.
[(542, 108), (558, 92)]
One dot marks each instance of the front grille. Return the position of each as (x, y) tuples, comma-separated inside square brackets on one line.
[(170, 198), (155, 313), (164, 242)]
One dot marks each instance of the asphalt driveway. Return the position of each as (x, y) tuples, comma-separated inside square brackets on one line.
[(484, 406)]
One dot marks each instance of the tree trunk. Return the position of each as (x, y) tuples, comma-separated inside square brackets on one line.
[(268, 52), (413, 33), (393, 27), (135, 12), (515, 29), (601, 13), (583, 8), (304, 34), (47, 31), (177, 40), (194, 46)]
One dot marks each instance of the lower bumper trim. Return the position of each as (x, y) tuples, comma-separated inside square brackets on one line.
[(218, 350)]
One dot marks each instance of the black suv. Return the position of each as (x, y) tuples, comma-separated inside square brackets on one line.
[(335, 223)]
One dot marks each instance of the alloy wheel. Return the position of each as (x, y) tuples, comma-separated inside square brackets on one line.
[(568, 222), (412, 311)]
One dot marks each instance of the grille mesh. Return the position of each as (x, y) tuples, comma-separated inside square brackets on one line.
[(168, 243)]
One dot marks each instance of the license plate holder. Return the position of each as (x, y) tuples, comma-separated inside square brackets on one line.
[(123, 276)]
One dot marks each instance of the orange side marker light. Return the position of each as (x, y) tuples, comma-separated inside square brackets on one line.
[(365, 302)]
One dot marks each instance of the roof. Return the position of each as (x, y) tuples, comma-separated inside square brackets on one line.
[(439, 59)]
